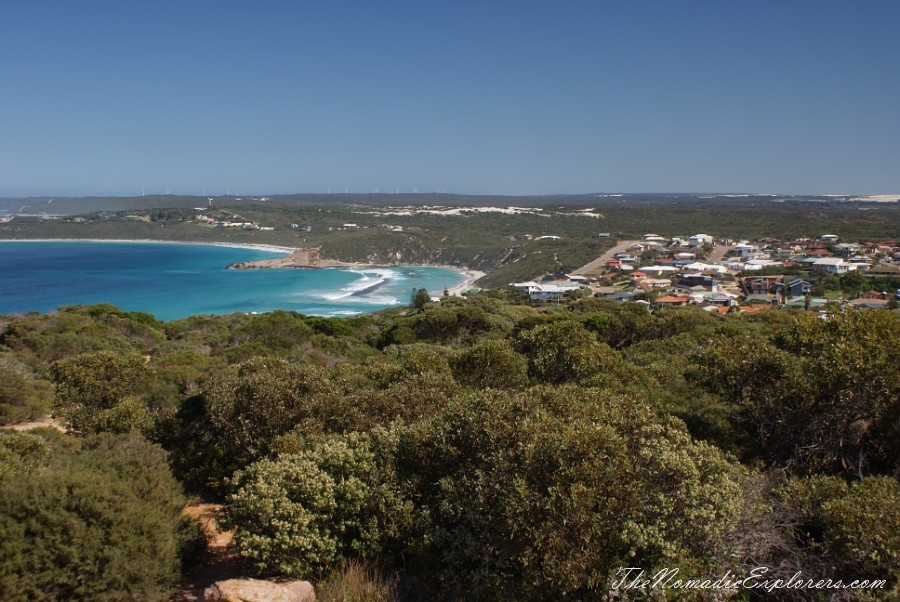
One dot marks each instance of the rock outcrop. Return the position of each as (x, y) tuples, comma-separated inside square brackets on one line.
[(300, 258), (255, 590)]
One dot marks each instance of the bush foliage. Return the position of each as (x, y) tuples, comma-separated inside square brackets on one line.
[(473, 448)]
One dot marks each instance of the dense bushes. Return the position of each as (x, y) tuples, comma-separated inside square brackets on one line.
[(823, 395), (517, 496), (100, 392), (473, 448), (298, 514), (101, 523), (22, 396), (541, 494)]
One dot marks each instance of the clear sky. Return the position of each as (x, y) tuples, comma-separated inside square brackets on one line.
[(471, 97)]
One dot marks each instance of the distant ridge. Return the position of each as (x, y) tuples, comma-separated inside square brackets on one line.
[(66, 206)]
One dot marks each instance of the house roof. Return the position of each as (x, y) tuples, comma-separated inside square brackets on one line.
[(674, 299), (829, 261)]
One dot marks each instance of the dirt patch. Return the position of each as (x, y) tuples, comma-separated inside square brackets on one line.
[(219, 562), (37, 423)]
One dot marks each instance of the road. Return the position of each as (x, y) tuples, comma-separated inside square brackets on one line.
[(598, 263), (719, 252)]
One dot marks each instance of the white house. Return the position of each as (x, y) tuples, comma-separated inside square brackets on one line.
[(658, 270), (833, 265), (705, 267), (698, 240), (763, 263), (746, 249), (546, 291)]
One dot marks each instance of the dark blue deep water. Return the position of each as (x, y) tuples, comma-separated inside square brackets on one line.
[(174, 281)]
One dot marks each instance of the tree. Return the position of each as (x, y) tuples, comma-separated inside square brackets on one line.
[(419, 298)]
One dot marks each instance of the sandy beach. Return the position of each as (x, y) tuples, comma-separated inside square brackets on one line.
[(471, 277), (233, 245)]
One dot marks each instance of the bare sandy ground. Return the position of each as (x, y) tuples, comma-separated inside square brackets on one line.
[(33, 424), (219, 562)]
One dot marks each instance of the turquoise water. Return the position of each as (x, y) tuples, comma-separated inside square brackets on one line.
[(173, 281)]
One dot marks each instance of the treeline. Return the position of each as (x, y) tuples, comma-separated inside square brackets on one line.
[(476, 448)]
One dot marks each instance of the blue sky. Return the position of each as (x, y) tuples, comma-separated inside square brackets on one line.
[(116, 98)]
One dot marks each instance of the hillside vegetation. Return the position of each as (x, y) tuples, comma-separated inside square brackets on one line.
[(475, 448), (450, 229)]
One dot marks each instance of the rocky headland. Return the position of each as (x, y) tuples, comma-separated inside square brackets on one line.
[(299, 258)]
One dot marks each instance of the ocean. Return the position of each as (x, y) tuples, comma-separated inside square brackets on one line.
[(173, 281)]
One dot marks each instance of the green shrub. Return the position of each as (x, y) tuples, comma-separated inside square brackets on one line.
[(21, 453), (852, 527), (22, 396), (491, 364), (541, 494), (97, 392), (302, 512), (104, 523)]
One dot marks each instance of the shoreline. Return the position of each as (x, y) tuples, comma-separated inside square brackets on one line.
[(469, 276), (233, 245)]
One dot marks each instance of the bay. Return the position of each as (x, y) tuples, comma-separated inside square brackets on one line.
[(173, 281)]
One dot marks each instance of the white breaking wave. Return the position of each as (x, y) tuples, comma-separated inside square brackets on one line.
[(369, 279)]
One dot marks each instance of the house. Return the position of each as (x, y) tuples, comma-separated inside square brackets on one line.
[(702, 280), (697, 266), (715, 309), (658, 270), (884, 270), (845, 250), (698, 240), (546, 290), (875, 295), (720, 299), (829, 239), (759, 286), (761, 263), (746, 249), (655, 283), (798, 288), (638, 275), (674, 301), (833, 265)]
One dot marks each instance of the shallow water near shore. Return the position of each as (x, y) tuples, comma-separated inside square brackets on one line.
[(173, 281)]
